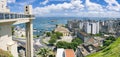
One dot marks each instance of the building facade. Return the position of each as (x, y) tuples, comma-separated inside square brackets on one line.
[(91, 27), (7, 19), (3, 6)]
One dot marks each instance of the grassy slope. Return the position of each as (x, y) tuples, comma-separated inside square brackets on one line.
[(112, 50), (5, 53)]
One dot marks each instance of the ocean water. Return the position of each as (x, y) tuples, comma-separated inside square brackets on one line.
[(43, 24)]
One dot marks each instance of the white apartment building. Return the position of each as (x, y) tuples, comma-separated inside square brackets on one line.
[(81, 24), (91, 27)]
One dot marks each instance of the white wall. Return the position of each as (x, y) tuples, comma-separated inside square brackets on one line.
[(6, 39), (92, 27), (88, 28), (3, 6), (29, 9)]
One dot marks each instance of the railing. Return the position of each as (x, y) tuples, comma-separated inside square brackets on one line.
[(14, 16)]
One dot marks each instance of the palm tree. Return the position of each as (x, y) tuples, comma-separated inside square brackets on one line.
[(44, 52)]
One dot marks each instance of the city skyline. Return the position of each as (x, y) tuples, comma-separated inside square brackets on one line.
[(67, 8)]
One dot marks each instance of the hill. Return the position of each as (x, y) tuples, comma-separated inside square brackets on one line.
[(113, 50)]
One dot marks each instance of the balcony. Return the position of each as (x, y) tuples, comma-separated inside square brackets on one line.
[(5, 16)]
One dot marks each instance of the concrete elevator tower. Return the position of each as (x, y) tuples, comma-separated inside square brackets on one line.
[(7, 19), (29, 33)]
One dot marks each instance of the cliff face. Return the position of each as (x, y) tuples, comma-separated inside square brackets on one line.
[(112, 50)]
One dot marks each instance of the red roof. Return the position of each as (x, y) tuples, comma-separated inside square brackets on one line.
[(69, 53)]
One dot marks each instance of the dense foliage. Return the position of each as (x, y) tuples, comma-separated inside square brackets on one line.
[(113, 50), (73, 45), (77, 40), (13, 30), (108, 41), (66, 45), (58, 34), (48, 34), (45, 52), (54, 37), (5, 53)]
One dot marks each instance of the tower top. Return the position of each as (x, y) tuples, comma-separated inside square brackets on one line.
[(28, 9)]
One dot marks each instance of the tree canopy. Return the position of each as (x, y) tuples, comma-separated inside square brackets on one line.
[(44, 52), (66, 45), (108, 41), (77, 40), (48, 34)]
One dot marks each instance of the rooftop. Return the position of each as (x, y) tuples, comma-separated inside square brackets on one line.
[(83, 33), (69, 53), (62, 29), (60, 52)]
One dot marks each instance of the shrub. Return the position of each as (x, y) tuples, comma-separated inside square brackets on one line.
[(5, 53)]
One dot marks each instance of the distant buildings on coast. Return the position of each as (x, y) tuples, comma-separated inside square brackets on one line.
[(92, 33)]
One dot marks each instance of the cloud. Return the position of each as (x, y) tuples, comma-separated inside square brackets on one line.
[(77, 8), (59, 8), (93, 6), (113, 5), (18, 6), (11, 1), (45, 2)]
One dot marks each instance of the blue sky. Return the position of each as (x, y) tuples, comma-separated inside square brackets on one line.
[(65, 8)]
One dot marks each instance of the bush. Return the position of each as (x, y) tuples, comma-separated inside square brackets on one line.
[(111, 38), (53, 39), (5, 53), (48, 34), (66, 45), (108, 41), (77, 40)]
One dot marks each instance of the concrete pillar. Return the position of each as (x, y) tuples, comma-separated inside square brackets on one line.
[(29, 39)]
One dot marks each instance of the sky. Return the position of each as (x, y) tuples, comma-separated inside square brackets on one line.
[(68, 8)]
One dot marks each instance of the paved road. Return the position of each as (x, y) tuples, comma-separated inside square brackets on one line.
[(37, 42)]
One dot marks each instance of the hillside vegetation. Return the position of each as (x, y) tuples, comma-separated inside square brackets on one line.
[(113, 50), (5, 53)]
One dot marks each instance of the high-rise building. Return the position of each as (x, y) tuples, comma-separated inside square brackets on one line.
[(91, 27)]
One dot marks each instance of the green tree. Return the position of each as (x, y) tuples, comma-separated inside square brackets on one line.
[(62, 44), (66, 45), (51, 56), (52, 41), (48, 34), (53, 36), (13, 30), (77, 40), (73, 45), (44, 52), (111, 38), (58, 34), (107, 42)]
